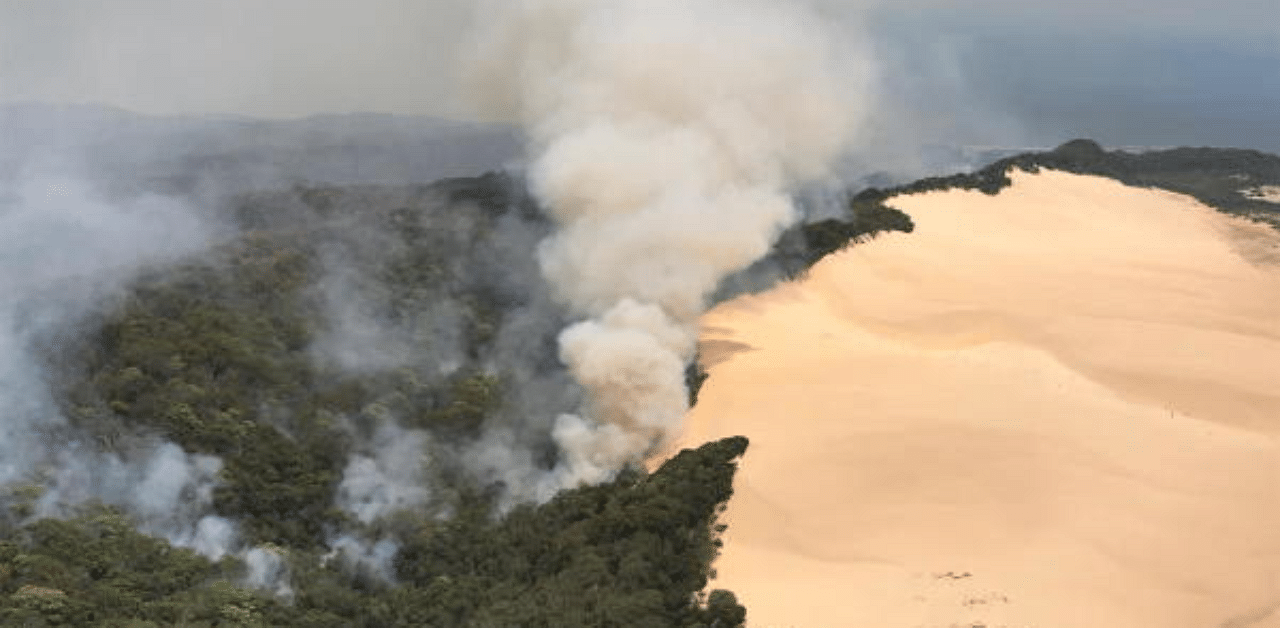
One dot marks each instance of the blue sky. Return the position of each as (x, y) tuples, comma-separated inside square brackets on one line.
[(994, 72)]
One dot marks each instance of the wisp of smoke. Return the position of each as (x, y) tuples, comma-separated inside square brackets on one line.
[(169, 493), (665, 136), (266, 570), (390, 480), (63, 249)]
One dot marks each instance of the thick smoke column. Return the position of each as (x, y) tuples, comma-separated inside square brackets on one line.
[(665, 137)]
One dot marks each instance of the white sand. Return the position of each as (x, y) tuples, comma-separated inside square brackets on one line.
[(1057, 407)]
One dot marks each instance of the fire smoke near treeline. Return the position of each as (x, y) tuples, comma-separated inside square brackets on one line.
[(664, 140), (664, 137)]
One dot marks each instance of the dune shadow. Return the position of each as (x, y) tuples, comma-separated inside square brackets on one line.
[(1255, 239), (713, 352)]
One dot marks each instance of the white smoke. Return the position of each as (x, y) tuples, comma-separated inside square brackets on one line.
[(267, 570), (168, 492), (213, 536), (374, 560), (389, 480), (666, 136), (65, 248), (62, 248)]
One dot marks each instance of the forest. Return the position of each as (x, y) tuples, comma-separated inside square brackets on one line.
[(633, 552), (334, 316)]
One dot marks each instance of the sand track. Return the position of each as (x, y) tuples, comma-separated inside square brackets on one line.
[(1056, 407)]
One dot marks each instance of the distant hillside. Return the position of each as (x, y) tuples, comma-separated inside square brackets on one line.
[(183, 154), (1218, 177)]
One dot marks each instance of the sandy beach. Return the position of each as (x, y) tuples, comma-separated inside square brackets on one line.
[(1052, 408)]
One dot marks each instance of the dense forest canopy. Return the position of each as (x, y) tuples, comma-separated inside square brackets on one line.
[(632, 552)]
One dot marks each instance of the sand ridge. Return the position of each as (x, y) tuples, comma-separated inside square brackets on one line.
[(1053, 407)]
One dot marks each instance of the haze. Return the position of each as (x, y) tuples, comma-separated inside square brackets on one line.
[(992, 72)]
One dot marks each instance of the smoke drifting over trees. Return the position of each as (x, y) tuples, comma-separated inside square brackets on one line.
[(664, 139), (64, 250), (220, 393), (292, 376)]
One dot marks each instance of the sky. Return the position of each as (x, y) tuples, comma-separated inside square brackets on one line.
[(987, 72), (271, 58)]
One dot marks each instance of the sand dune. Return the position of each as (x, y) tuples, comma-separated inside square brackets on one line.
[(1056, 407)]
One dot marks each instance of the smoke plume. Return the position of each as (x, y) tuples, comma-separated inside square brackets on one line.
[(665, 136), (390, 480), (64, 249)]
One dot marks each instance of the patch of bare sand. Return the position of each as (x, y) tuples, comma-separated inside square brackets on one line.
[(1056, 407)]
